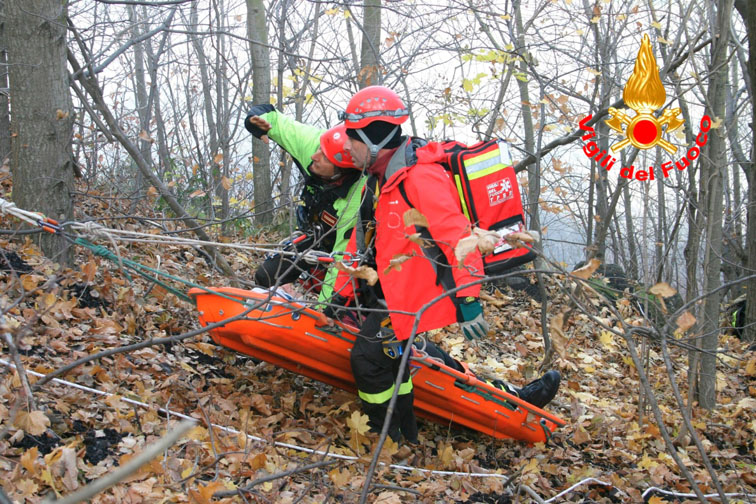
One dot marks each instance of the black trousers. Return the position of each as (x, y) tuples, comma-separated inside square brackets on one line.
[(375, 375), (283, 268)]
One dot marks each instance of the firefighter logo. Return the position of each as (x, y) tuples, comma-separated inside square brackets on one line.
[(499, 192), (644, 93)]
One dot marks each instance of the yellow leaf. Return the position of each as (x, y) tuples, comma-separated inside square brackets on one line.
[(28, 459), (586, 271), (656, 25), (595, 19), (647, 463), (607, 339), (218, 158), (358, 422), (340, 477), (35, 423), (663, 289), (532, 467), (49, 299), (59, 114), (413, 217), (195, 168), (716, 122), (750, 369), (446, 455)]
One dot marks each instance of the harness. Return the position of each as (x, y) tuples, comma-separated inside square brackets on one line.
[(319, 197)]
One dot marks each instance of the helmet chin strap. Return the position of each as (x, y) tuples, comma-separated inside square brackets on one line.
[(374, 148)]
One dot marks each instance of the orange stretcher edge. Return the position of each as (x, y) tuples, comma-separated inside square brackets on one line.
[(289, 335)]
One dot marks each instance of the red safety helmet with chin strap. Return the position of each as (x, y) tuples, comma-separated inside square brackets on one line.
[(332, 145), (374, 103), (371, 104)]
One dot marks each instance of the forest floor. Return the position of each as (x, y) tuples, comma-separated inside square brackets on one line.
[(73, 436)]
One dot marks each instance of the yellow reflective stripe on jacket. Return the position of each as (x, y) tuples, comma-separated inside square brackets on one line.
[(385, 396)]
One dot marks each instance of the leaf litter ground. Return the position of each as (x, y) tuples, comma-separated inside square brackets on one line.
[(74, 437)]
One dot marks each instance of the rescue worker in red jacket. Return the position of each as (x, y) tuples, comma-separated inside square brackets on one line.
[(404, 173)]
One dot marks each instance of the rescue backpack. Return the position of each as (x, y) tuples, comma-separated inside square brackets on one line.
[(490, 197), (489, 194)]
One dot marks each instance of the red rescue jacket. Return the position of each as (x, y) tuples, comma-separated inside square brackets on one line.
[(416, 281)]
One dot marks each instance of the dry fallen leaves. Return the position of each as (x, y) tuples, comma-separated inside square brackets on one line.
[(34, 422), (558, 338)]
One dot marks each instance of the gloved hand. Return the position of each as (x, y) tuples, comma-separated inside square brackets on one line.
[(473, 325), (257, 110)]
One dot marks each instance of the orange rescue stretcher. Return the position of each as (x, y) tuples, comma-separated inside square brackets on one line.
[(285, 333)]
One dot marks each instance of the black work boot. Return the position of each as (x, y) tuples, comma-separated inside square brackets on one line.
[(540, 392)]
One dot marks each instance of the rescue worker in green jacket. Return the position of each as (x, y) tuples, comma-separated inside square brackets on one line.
[(330, 198)]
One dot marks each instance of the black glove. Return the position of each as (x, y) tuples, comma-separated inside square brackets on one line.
[(257, 110)]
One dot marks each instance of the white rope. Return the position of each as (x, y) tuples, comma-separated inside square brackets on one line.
[(94, 230), (8, 207), (708, 496), (586, 480), (347, 458)]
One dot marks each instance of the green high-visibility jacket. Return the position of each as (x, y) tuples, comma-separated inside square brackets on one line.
[(327, 203)]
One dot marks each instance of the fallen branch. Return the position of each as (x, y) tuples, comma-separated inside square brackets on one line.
[(271, 477)]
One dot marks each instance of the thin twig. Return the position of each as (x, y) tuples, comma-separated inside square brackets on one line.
[(19, 366)]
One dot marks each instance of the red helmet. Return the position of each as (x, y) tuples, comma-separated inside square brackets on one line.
[(332, 145), (374, 103)]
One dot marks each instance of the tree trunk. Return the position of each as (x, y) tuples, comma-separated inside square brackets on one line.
[(370, 57), (712, 167), (632, 264), (5, 138), (42, 114), (258, 35), (143, 108), (534, 176), (748, 11)]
